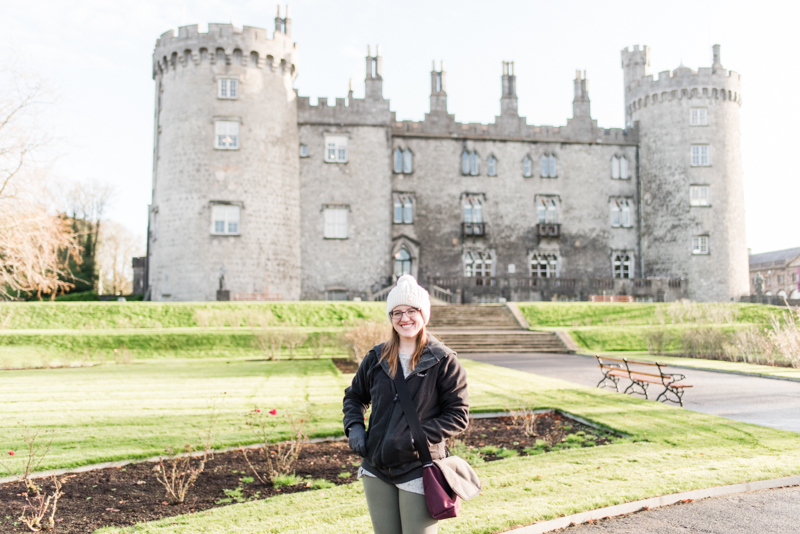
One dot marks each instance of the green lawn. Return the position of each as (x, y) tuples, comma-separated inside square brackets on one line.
[(614, 314), (669, 450), (113, 315)]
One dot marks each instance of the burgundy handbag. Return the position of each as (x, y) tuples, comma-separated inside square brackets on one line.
[(445, 481)]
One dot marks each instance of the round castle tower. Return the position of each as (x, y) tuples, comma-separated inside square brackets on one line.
[(692, 197), (226, 200)]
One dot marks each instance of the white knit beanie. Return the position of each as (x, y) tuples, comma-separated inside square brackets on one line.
[(408, 292)]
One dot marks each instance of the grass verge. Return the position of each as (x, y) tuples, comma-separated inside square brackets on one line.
[(669, 450)]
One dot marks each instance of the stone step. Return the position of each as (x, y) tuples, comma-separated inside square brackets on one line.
[(488, 316), (493, 341)]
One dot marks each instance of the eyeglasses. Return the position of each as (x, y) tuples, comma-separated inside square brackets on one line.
[(410, 313)]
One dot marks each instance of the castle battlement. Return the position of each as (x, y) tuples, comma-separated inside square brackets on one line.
[(245, 46)]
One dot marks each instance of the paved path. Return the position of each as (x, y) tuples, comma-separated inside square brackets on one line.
[(760, 512), (761, 401)]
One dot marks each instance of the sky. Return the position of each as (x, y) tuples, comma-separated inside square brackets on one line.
[(95, 56)]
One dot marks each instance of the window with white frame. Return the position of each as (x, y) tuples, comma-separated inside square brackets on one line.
[(699, 195), (473, 208), (228, 88), (619, 168), (547, 210), (698, 117), (478, 264), (491, 166), (403, 208), (527, 167), (335, 220), (398, 161), (700, 156), (622, 265), (225, 219), (226, 135), (700, 244), (303, 151), (402, 262), (336, 148), (620, 213), (549, 166), (543, 265)]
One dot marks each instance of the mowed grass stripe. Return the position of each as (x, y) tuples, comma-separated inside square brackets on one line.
[(669, 450)]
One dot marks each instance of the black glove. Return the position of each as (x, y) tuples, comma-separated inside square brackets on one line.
[(358, 440)]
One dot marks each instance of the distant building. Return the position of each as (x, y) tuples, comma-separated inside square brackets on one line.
[(779, 273), (257, 189)]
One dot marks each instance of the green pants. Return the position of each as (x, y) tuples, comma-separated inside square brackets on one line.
[(394, 511)]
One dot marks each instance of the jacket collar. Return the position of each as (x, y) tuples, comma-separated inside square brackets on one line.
[(433, 352)]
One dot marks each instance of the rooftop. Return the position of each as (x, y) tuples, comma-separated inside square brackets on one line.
[(776, 257)]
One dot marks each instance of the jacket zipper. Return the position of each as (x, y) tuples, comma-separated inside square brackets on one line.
[(383, 438)]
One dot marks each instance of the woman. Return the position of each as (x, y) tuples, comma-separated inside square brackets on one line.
[(391, 470)]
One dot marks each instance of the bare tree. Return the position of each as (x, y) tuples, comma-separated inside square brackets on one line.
[(35, 243), (116, 248)]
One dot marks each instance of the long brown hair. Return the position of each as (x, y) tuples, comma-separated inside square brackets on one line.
[(391, 350)]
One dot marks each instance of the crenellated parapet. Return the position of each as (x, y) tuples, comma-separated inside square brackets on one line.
[(225, 44), (346, 111), (643, 89)]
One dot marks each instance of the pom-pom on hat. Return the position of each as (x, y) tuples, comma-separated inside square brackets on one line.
[(409, 293)]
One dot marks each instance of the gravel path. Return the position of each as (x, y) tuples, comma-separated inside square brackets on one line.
[(761, 401), (760, 512)]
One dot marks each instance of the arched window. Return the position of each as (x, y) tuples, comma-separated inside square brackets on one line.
[(615, 168), (622, 265), (465, 162), (478, 264), (795, 295), (781, 294), (402, 262), (527, 167), (398, 161), (623, 168), (543, 265), (545, 167), (408, 161), (491, 167), (474, 165), (552, 161)]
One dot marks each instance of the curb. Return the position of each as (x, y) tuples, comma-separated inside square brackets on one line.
[(738, 373), (654, 502)]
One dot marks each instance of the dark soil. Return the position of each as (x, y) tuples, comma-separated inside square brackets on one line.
[(131, 494), (344, 365)]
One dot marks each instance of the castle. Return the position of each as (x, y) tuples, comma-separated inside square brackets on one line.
[(258, 194)]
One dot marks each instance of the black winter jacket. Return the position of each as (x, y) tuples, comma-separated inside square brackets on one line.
[(438, 388)]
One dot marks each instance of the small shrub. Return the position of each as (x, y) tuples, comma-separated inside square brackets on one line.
[(293, 339), (320, 483), (489, 450), (279, 457), (363, 336), (40, 509), (507, 453), (524, 414), (180, 473), (657, 340), (36, 450)]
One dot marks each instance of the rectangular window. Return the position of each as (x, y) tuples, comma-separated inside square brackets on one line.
[(780, 278), (336, 149), (403, 209), (226, 135), (699, 195), (225, 219), (700, 244), (700, 156), (228, 88), (698, 117), (622, 265), (335, 222), (303, 151), (543, 265)]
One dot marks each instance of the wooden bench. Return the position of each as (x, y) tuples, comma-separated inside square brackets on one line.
[(641, 376)]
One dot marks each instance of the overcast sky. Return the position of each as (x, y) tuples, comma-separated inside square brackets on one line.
[(96, 56)]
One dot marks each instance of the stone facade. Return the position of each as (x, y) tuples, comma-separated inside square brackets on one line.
[(776, 274), (576, 227)]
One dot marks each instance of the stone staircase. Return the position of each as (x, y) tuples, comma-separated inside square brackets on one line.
[(485, 328)]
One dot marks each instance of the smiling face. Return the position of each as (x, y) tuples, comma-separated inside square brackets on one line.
[(405, 326)]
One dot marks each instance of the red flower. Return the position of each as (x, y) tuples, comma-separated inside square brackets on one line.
[(11, 453), (258, 410), (273, 411)]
